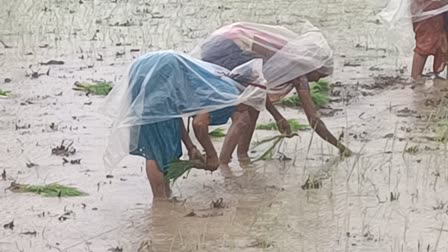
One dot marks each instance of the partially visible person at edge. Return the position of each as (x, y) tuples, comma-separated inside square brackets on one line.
[(226, 49), (165, 85), (430, 38)]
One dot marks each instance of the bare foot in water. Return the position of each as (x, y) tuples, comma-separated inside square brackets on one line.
[(244, 161), (225, 171)]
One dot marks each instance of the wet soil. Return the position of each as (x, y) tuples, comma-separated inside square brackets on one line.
[(389, 196)]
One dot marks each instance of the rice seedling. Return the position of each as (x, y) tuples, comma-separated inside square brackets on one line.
[(320, 92), (179, 167), (4, 93), (291, 101), (50, 190), (217, 133), (100, 88), (412, 150), (293, 123), (272, 143)]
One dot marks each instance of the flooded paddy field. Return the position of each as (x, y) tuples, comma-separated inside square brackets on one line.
[(389, 196)]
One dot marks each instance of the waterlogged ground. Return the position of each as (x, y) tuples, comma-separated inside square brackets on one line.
[(391, 196)]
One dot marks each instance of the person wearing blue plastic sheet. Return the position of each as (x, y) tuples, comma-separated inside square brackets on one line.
[(166, 86)]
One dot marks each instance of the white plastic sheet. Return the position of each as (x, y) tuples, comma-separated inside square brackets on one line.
[(408, 11), (166, 85), (287, 55)]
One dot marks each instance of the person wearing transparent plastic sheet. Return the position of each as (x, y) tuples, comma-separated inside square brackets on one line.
[(291, 60), (165, 86), (428, 19)]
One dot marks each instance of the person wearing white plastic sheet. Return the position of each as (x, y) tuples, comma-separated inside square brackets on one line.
[(428, 18), (291, 60), (165, 86)]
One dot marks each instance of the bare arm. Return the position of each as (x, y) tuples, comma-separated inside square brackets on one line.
[(282, 123), (313, 117), (186, 138), (200, 127), (273, 110), (193, 152)]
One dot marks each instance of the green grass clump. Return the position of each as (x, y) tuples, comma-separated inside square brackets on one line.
[(4, 93), (320, 94), (293, 123), (50, 190), (100, 88), (217, 133), (291, 101)]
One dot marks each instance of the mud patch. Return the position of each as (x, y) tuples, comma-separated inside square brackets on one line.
[(64, 149), (9, 225), (312, 183)]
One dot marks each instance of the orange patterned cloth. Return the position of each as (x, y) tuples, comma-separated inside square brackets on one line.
[(431, 39)]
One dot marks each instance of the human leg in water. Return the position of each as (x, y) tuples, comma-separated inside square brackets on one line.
[(200, 127), (246, 137), (418, 63), (160, 188), (240, 124)]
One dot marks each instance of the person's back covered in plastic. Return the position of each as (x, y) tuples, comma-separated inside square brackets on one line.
[(163, 87), (290, 60)]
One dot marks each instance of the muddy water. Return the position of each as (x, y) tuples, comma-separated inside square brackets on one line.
[(384, 199)]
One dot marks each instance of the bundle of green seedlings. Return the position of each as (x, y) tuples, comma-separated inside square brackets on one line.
[(99, 88), (272, 143), (217, 133), (293, 123), (50, 190), (179, 167), (320, 94), (4, 93)]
